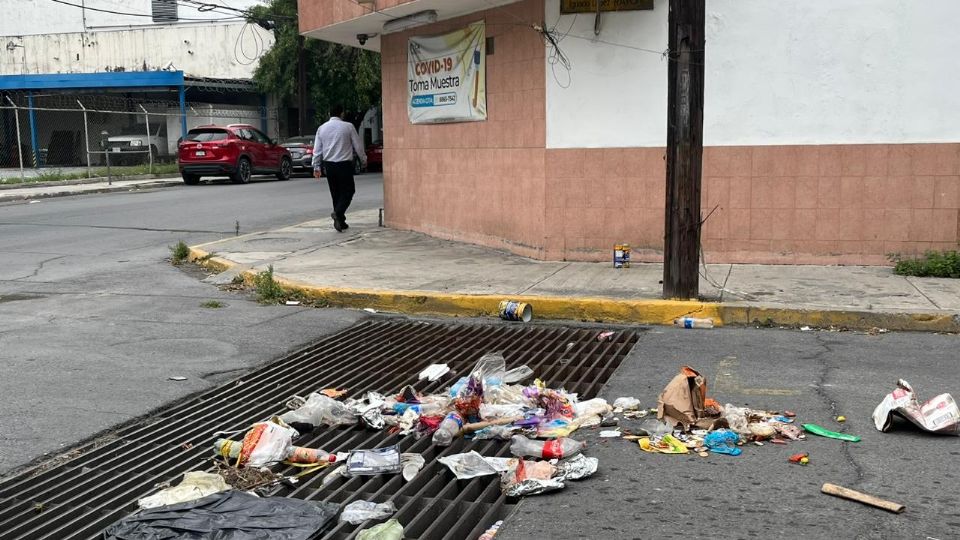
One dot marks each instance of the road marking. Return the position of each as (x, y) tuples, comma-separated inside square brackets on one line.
[(728, 382)]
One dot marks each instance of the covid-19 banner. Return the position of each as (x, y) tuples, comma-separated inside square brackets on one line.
[(446, 77)]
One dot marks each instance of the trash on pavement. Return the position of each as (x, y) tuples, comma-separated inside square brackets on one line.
[(292, 302), (195, 485), (824, 432), (357, 512), (525, 477), (609, 434), (723, 441), (667, 444), (388, 530), (512, 310), (369, 409), (692, 322), (846, 493), (841, 419), (604, 336), (319, 409), (802, 458), (240, 515), (938, 415), (684, 401), (177, 378), (412, 464), (384, 460), (334, 393), (557, 448), (577, 467), (490, 533), (472, 465), (264, 444), (370, 310), (626, 403), (434, 372)]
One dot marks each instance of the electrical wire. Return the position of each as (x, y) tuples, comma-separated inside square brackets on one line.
[(130, 14)]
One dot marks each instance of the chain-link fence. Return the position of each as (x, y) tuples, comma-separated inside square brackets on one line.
[(81, 134)]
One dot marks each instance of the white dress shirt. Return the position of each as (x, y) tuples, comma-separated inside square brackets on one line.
[(337, 140)]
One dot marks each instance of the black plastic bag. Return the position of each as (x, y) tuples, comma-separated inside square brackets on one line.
[(228, 515)]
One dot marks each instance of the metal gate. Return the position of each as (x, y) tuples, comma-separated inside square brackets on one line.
[(81, 497)]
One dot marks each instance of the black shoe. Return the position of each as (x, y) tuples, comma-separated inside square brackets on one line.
[(345, 226), (337, 224)]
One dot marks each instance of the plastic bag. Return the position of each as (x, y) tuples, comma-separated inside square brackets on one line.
[(525, 477), (195, 485), (357, 512), (506, 394), (389, 530), (488, 411), (320, 409), (468, 465), (655, 428), (376, 461), (434, 372), (627, 403), (517, 374), (502, 433), (737, 418), (264, 444), (723, 441), (595, 406)]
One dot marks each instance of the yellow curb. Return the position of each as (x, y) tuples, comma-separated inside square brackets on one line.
[(649, 311)]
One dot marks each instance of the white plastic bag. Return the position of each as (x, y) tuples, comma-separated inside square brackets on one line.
[(591, 407), (320, 409), (357, 512), (195, 485), (626, 403), (472, 465)]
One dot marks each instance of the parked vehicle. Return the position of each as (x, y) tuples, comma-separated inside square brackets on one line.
[(301, 151), (131, 145), (375, 157), (237, 150)]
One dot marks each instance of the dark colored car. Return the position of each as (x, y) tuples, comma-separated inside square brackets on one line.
[(238, 151), (301, 151), (374, 157)]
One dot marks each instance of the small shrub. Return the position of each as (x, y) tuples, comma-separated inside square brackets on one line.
[(268, 290), (179, 253), (933, 264), (212, 304)]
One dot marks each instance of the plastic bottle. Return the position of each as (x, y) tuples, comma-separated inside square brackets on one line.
[(558, 448), (449, 428), (690, 322)]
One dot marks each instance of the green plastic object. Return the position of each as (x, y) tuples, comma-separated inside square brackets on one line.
[(824, 432), (390, 530)]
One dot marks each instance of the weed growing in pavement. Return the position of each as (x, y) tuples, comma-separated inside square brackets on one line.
[(58, 175), (213, 304), (179, 253), (933, 264), (268, 290)]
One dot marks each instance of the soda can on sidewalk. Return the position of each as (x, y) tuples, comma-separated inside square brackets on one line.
[(511, 310), (621, 256)]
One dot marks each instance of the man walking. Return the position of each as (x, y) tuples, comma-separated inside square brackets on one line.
[(334, 146)]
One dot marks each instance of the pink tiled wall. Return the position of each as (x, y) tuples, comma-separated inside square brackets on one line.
[(832, 204), (315, 14), (482, 182)]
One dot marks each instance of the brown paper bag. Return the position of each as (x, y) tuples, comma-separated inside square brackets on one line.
[(684, 402)]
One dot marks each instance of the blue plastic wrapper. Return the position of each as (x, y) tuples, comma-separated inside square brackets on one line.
[(723, 441)]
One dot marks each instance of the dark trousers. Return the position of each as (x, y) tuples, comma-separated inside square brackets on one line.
[(342, 187)]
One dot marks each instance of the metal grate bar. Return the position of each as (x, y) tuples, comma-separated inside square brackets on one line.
[(82, 497)]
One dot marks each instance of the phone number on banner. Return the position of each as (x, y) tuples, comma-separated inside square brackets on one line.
[(434, 100)]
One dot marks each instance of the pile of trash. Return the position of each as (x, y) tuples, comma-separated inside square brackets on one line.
[(490, 402)]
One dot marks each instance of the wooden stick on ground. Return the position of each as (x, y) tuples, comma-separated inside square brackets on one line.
[(846, 493)]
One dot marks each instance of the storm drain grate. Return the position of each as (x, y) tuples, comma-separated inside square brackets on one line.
[(80, 498)]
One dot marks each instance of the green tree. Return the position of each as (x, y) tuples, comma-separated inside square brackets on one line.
[(335, 73)]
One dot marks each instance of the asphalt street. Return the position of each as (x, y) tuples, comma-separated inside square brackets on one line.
[(94, 320), (759, 494)]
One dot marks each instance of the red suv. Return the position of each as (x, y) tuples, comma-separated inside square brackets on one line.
[(237, 150)]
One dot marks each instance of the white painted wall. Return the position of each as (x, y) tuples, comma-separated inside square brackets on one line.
[(27, 17), (200, 51), (778, 72), (612, 96)]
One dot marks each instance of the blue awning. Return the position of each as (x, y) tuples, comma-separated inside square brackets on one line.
[(121, 79)]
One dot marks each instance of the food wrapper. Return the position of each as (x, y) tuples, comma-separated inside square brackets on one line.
[(577, 468), (938, 415), (372, 462)]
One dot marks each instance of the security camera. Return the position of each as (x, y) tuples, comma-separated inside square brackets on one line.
[(362, 38)]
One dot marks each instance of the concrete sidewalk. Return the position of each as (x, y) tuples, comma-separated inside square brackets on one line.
[(391, 270), (22, 192)]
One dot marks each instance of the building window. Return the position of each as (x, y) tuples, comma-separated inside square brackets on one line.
[(164, 11)]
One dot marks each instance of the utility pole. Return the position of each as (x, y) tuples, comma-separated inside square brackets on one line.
[(684, 149), (301, 88)]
